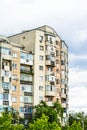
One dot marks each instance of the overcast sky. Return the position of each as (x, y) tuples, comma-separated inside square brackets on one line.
[(69, 20)]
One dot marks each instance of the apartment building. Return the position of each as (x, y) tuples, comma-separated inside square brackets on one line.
[(50, 80), (16, 78)]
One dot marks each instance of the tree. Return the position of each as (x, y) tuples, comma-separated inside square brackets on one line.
[(75, 126), (53, 112), (43, 124), (6, 122)]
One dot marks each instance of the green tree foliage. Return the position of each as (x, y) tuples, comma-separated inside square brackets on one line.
[(78, 117), (43, 124), (6, 122), (53, 112), (75, 126)]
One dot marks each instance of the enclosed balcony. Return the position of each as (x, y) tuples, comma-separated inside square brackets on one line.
[(50, 63), (5, 97), (6, 53), (50, 52), (26, 78), (63, 95), (50, 78), (64, 105), (24, 69), (5, 102), (28, 99), (50, 39), (6, 85), (26, 58), (50, 90)]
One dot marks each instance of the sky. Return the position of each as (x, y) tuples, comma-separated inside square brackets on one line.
[(69, 20)]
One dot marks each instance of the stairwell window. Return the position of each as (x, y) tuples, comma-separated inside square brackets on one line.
[(41, 78), (41, 67), (41, 39), (41, 58), (40, 88), (41, 48)]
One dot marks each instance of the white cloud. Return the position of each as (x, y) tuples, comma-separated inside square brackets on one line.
[(78, 89), (77, 77)]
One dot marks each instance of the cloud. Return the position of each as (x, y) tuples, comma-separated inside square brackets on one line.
[(78, 98), (77, 77), (77, 89)]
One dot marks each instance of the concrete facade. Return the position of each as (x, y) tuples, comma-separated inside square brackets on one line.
[(50, 64)]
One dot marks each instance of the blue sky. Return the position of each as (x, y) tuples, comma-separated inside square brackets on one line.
[(69, 19)]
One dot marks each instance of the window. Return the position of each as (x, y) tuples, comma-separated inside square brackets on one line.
[(26, 77), (14, 99), (62, 62), (14, 66), (57, 43), (14, 54), (6, 96), (28, 99), (50, 69), (57, 61), (5, 50), (14, 76), (21, 109), (6, 85), (62, 90), (57, 70), (26, 56), (21, 99), (14, 88), (40, 67), (40, 98), (2, 79), (62, 81), (49, 98), (41, 58), (41, 88), (57, 81), (6, 73), (57, 52), (41, 48), (27, 88), (41, 39), (41, 78)]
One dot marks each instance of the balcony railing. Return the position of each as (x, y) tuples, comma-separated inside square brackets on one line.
[(50, 93), (26, 71), (49, 62)]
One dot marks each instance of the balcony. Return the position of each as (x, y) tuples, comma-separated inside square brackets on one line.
[(26, 61), (28, 93), (50, 78), (64, 105), (5, 102), (50, 93), (25, 82), (6, 86), (51, 63), (7, 57), (27, 71), (50, 52), (63, 95), (50, 73), (5, 99)]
